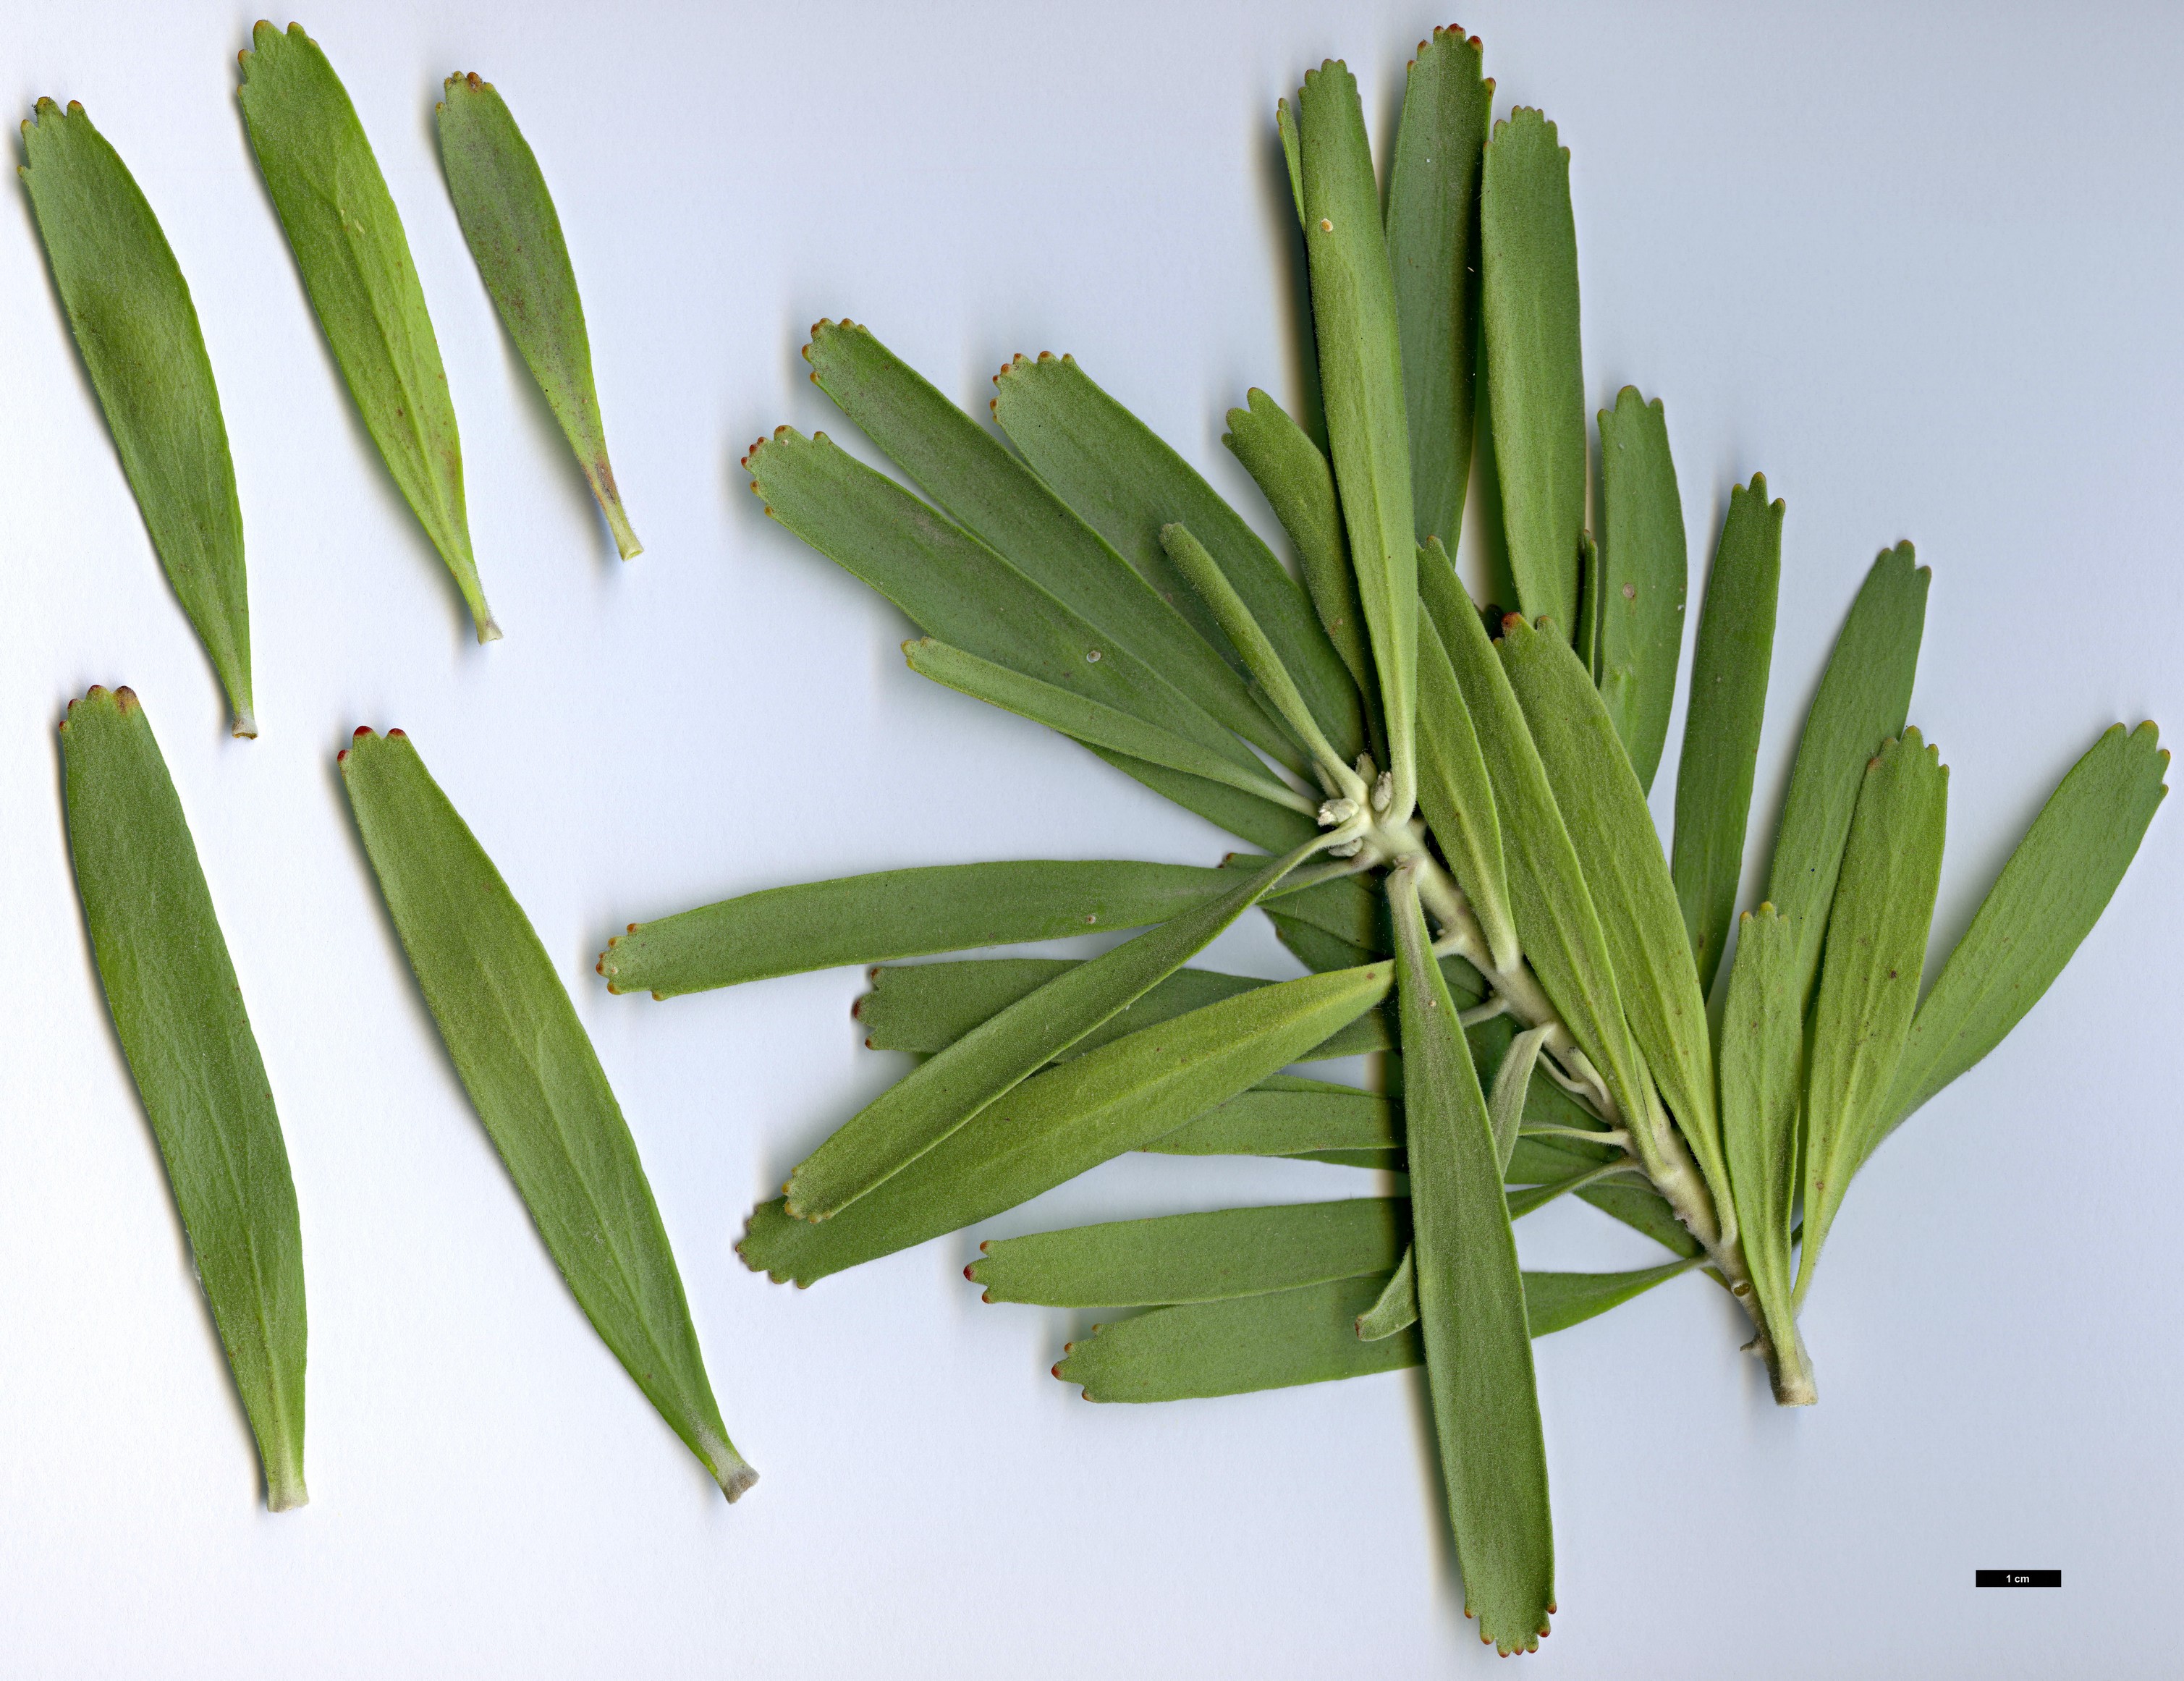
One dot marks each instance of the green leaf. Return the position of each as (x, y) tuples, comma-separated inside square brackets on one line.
[(1554, 1301), (1643, 1209), (1762, 1065), (1454, 791), (355, 260), (973, 479), (1272, 828), (1194, 1257), (1284, 1116), (1086, 1111), (178, 1012), (1318, 951), (129, 309), (1231, 1348), (1588, 586), (1093, 722), (940, 1095), (1299, 485), (1512, 1093), (1353, 310), (896, 913), (2047, 899), (1433, 253), (537, 1085), (1534, 367), (1471, 1307), (1619, 856), (1721, 727), (1119, 476), (1643, 572), (1877, 927), (1863, 701), (515, 236)]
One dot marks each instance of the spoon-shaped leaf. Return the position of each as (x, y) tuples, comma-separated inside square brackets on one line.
[(1298, 484), (1619, 853), (354, 259), (515, 236), (1086, 1111), (1433, 253), (1721, 729), (178, 1012), (926, 1106), (1194, 1257), (1119, 476), (1093, 722), (129, 309), (1644, 568), (1361, 375), (2047, 899), (537, 1085), (1762, 1065), (1471, 1307), (1877, 944), (895, 913), (973, 479), (1863, 701), (1534, 367)]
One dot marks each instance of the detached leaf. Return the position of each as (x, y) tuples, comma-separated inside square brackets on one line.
[(515, 236), (2047, 899), (940, 1095), (350, 249), (1433, 253), (1123, 480), (1863, 701), (1194, 1257), (1644, 568), (1619, 853), (130, 310), (1877, 944), (537, 1085), (1762, 1065), (1353, 311), (1471, 1308), (1721, 728), (178, 1012), (1086, 1111), (1535, 371)]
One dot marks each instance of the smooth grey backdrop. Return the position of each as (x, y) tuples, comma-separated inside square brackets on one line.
[(1920, 265)]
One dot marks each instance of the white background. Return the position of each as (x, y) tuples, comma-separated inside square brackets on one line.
[(1922, 266)]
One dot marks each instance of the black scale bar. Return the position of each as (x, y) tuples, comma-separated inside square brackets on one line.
[(2017, 1578)]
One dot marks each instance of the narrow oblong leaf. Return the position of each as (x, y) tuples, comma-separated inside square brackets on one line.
[(1534, 366), (1293, 474), (1471, 1307), (1232, 1348), (2046, 901), (1619, 853), (130, 310), (1353, 312), (1086, 1111), (1762, 1065), (1877, 944), (1454, 790), (1513, 1085), (537, 1085), (1643, 1209), (355, 260), (940, 1095), (1863, 701), (1721, 728), (1194, 1257), (1117, 474), (514, 232), (1554, 1301), (1286, 1115), (178, 1011), (1433, 253), (1396, 1307), (1644, 571), (1093, 722), (973, 479), (896, 913)]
